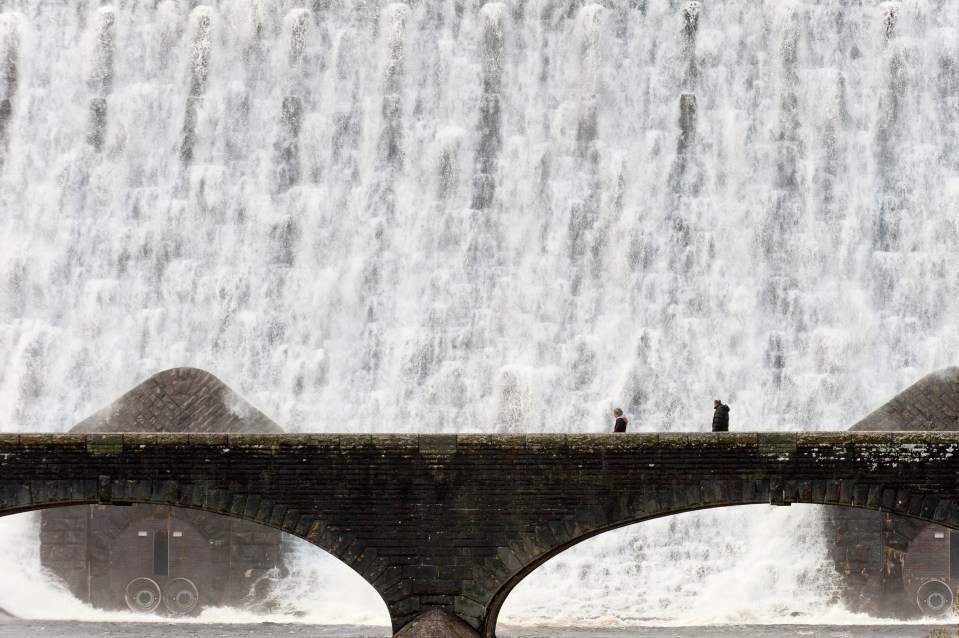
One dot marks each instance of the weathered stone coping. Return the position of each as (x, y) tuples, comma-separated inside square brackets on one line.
[(448, 443)]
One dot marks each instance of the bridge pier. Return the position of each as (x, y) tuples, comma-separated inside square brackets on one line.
[(436, 624)]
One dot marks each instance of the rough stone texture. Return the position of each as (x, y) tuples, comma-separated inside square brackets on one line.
[(871, 547), (63, 546), (930, 404), (179, 400), (454, 522), (436, 624), (76, 542), (76, 545)]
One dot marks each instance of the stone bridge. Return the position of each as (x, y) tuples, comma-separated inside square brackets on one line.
[(454, 522)]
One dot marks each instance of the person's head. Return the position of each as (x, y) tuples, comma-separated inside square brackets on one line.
[(716, 403), (617, 412)]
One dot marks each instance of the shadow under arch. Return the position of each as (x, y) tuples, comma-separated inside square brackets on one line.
[(500, 597), (103, 547)]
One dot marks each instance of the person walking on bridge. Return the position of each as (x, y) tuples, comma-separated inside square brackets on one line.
[(720, 416), (621, 421)]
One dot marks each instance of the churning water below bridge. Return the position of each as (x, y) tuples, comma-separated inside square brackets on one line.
[(66, 629)]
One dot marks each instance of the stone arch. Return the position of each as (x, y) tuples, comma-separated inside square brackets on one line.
[(448, 522), (196, 499), (522, 556), (185, 401)]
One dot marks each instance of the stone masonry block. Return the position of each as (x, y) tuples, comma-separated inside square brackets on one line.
[(509, 559), (468, 608)]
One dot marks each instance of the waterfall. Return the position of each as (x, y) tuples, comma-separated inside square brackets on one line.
[(505, 216)]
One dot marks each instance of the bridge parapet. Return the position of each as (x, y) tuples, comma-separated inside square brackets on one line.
[(454, 522)]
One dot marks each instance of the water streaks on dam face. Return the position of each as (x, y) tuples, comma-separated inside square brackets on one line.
[(481, 216)]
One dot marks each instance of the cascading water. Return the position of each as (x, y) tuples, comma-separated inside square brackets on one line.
[(492, 217)]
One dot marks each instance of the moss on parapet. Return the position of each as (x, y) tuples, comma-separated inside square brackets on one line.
[(447, 444)]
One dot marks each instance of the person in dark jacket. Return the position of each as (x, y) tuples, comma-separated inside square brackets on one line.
[(621, 421), (720, 416)]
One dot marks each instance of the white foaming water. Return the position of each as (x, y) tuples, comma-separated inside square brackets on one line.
[(373, 217)]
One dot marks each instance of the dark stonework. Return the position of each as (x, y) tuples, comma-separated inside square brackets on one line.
[(871, 548), (930, 404), (226, 558), (79, 543), (179, 400), (454, 522)]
